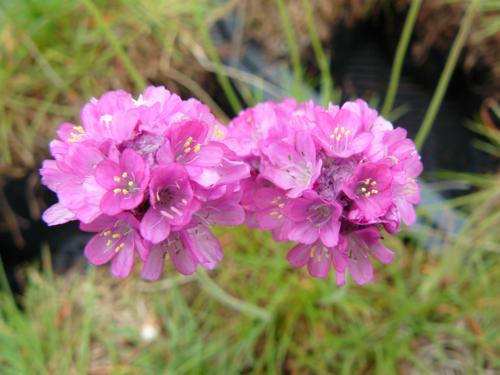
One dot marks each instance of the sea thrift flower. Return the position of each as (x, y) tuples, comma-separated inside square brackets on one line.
[(329, 179), (149, 175)]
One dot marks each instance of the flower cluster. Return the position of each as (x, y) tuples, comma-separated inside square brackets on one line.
[(149, 175), (328, 179)]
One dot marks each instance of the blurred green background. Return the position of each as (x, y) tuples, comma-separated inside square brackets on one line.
[(433, 311)]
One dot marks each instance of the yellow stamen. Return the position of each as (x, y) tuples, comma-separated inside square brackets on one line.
[(117, 190), (281, 205), (116, 235), (374, 191), (79, 129), (218, 133), (188, 149), (117, 179), (124, 174), (130, 183), (109, 242), (280, 216), (107, 233), (363, 190), (124, 191), (338, 137), (197, 148), (119, 247), (188, 142), (374, 183)]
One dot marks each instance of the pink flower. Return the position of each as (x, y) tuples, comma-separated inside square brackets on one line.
[(113, 117), (171, 200), (314, 219), (291, 166), (117, 241), (361, 244), (370, 188), (125, 182), (187, 249), (341, 135), (320, 259)]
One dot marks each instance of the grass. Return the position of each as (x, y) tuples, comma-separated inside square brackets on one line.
[(429, 312), (86, 322)]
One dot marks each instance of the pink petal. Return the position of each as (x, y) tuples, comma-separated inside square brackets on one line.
[(266, 221), (154, 227), (57, 214), (183, 262), (153, 266), (203, 245), (122, 263), (361, 142), (96, 250), (134, 164), (382, 253), (329, 233), (165, 154), (208, 156), (298, 255), (110, 203), (303, 232), (319, 265), (360, 266), (105, 172), (123, 125)]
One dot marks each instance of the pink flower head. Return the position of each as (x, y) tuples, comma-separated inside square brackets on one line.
[(125, 182), (328, 179), (150, 175)]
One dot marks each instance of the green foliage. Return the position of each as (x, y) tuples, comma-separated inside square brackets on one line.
[(90, 323)]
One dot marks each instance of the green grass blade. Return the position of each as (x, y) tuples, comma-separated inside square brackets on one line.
[(136, 77), (444, 80), (399, 57), (293, 47)]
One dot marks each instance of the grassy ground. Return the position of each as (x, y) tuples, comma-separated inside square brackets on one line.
[(430, 312), (424, 314)]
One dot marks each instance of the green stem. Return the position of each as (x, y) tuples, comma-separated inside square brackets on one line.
[(209, 286), (327, 90), (444, 80), (293, 47), (399, 57), (221, 75), (115, 45)]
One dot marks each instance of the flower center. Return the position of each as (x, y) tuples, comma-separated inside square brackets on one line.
[(128, 185), (367, 188), (340, 138), (75, 136), (320, 214), (115, 237)]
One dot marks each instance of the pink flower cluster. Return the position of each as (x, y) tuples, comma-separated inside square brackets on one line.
[(328, 179), (149, 175)]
